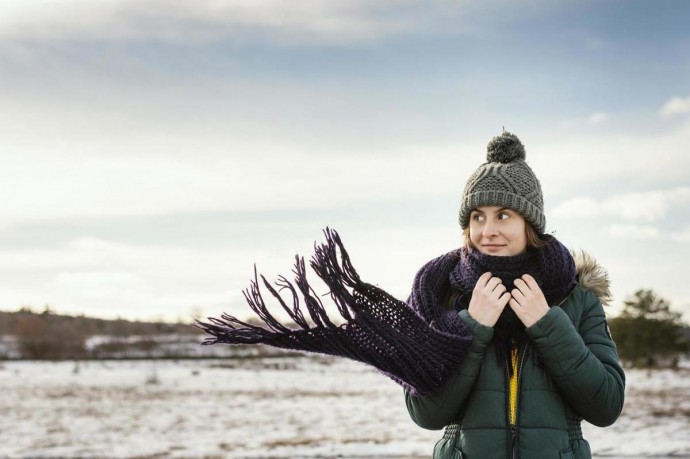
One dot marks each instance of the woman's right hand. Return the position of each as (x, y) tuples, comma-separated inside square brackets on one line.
[(489, 297)]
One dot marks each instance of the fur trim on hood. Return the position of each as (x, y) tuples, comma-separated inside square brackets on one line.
[(592, 276)]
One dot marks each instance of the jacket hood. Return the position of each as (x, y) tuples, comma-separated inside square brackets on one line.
[(592, 276)]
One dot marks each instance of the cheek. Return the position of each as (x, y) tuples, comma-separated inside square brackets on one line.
[(520, 237), (472, 236)]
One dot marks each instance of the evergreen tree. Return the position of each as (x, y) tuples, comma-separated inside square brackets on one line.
[(648, 332)]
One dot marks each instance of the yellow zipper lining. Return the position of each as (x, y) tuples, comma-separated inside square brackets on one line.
[(513, 386)]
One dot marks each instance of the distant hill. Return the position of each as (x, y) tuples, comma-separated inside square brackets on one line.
[(32, 335), (10, 324), (26, 334)]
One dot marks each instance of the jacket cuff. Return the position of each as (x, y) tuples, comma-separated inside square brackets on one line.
[(555, 318), (481, 334)]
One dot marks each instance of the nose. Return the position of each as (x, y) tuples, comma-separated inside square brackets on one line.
[(490, 230)]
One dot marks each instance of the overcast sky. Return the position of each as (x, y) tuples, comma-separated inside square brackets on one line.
[(154, 150)]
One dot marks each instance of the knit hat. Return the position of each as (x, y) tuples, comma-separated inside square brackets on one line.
[(505, 180)]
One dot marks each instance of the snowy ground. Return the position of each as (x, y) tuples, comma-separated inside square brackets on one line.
[(269, 408)]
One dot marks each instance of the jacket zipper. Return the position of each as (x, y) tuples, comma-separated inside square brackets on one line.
[(513, 442), (513, 427)]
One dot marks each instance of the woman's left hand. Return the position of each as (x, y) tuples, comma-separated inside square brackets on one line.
[(528, 301)]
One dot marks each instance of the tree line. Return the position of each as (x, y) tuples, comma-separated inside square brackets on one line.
[(49, 336), (647, 332)]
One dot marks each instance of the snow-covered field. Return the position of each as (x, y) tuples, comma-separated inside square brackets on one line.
[(269, 408)]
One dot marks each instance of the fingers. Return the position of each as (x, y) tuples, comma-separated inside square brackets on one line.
[(483, 279), (505, 299), (493, 284), (524, 282), (525, 286), (521, 285), (488, 300), (531, 282), (517, 295), (527, 300), (488, 283), (500, 288), (492, 288)]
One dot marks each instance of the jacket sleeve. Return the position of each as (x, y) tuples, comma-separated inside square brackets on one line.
[(437, 410), (583, 363)]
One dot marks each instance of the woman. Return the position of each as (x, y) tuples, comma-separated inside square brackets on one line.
[(542, 358), (504, 341)]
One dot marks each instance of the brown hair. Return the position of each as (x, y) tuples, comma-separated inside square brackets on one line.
[(533, 239)]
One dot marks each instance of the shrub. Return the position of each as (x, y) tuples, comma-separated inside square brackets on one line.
[(648, 333)]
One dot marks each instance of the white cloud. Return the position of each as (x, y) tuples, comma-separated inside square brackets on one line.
[(675, 106), (95, 278), (186, 174), (580, 206), (565, 163), (170, 20), (162, 170), (108, 278), (304, 21), (598, 118), (643, 206), (135, 303), (594, 119), (683, 236), (647, 206), (134, 155), (636, 232)]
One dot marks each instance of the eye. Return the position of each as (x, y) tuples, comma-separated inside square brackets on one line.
[(477, 217), (503, 215)]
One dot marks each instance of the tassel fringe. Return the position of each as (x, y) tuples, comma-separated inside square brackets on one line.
[(325, 262), (414, 348)]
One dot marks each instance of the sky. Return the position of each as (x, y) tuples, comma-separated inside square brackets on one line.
[(153, 151)]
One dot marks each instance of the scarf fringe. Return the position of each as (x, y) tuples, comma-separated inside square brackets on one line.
[(230, 329), (414, 344)]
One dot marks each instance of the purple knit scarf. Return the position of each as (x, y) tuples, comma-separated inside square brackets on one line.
[(552, 266), (417, 343)]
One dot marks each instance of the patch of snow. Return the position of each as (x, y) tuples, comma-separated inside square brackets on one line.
[(304, 407)]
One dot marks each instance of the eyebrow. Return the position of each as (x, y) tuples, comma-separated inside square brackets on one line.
[(501, 209)]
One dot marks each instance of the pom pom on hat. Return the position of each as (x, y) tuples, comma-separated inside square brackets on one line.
[(505, 180), (505, 148)]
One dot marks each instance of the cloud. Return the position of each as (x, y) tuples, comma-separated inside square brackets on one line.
[(203, 20), (683, 236), (286, 22), (598, 118), (593, 119), (136, 153), (643, 206), (675, 107), (110, 278), (578, 161), (635, 232), (96, 278), (581, 206), (220, 176)]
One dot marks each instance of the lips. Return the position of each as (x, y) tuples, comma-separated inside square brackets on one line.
[(493, 247)]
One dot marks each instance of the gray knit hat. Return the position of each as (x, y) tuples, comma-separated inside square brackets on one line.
[(505, 180)]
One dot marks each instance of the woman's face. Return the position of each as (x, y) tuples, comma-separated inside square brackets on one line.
[(498, 231)]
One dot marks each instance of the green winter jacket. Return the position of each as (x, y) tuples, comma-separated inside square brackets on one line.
[(568, 371)]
